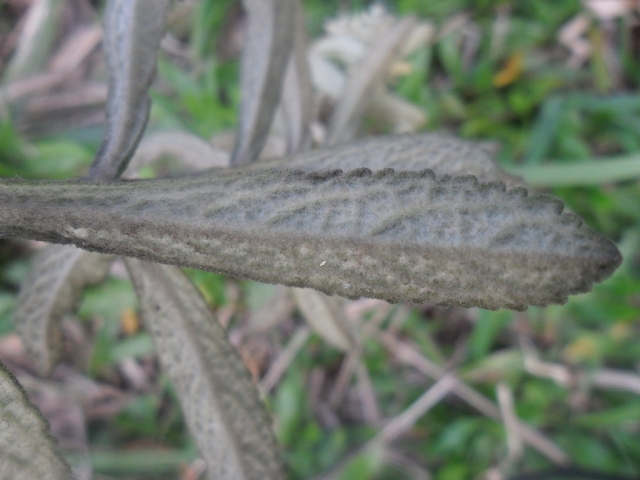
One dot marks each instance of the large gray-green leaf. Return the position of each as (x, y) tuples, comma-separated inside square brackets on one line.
[(362, 82), (220, 403), (395, 236), (297, 91), (53, 289), (442, 153), (27, 451), (264, 62), (133, 31)]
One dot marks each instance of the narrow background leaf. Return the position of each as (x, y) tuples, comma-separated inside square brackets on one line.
[(297, 91), (362, 82), (36, 39), (220, 403), (324, 315), (27, 450), (52, 289), (264, 63), (133, 31)]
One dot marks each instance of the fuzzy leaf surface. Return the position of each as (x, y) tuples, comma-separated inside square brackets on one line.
[(264, 63), (52, 289), (219, 401), (396, 236), (441, 153), (27, 450), (132, 34)]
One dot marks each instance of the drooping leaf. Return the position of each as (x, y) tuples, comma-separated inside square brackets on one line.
[(324, 315), (220, 403), (133, 31), (441, 153), (404, 236), (362, 82), (27, 451), (52, 289), (297, 91), (264, 62)]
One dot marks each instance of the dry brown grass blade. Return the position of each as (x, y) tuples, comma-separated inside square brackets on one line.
[(264, 63), (27, 451), (351, 105), (399, 424), (529, 435), (219, 401), (283, 361), (603, 378), (510, 421)]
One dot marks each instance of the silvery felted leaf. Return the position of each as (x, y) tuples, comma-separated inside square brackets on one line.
[(325, 316), (219, 401), (27, 450), (264, 62), (404, 236), (52, 289), (441, 153), (132, 35), (362, 82)]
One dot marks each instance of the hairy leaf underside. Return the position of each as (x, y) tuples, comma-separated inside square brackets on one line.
[(406, 236), (220, 402), (27, 451)]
